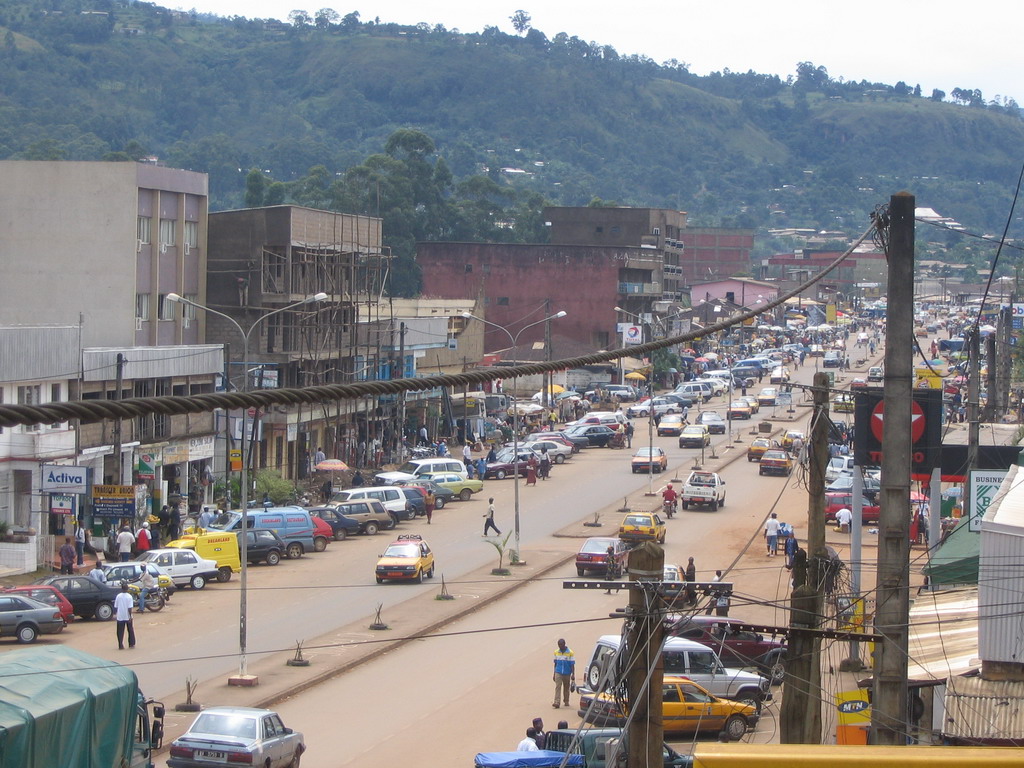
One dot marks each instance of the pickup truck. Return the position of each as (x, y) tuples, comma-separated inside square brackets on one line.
[(604, 747), (703, 488)]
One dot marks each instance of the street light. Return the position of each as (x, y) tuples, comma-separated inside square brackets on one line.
[(242, 678), (515, 413), (650, 407)]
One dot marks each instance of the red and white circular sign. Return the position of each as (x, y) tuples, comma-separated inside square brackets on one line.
[(917, 421)]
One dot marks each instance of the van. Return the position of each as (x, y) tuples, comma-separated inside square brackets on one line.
[(838, 465), (395, 500), (416, 467), (220, 547), (293, 524), (696, 390), (684, 657)]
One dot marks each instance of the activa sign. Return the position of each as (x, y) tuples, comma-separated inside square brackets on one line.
[(58, 478)]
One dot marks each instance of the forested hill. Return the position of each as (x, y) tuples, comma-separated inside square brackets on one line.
[(558, 119)]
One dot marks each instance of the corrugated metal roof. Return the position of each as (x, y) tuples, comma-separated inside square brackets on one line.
[(39, 353), (943, 634), (984, 709), (100, 363)]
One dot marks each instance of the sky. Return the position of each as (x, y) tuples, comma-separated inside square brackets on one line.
[(934, 43)]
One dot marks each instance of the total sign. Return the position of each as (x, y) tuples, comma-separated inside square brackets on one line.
[(925, 428), (58, 478), (632, 334)]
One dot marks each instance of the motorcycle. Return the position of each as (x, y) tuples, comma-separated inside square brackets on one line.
[(618, 441), (668, 506), (156, 598)]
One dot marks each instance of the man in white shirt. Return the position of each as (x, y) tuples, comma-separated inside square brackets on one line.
[(529, 744), (771, 533), (125, 542), (123, 604), (147, 584), (97, 573), (844, 517)]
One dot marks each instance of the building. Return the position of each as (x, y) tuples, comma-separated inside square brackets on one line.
[(741, 291), (91, 251), (862, 274)]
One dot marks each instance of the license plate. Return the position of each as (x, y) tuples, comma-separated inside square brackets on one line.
[(206, 754), (395, 574)]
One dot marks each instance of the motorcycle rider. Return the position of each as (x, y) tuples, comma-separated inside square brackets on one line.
[(147, 584), (669, 500)]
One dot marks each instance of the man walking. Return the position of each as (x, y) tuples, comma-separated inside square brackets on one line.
[(489, 519), (428, 505), (123, 605), (80, 542), (565, 673), (771, 533), (67, 556)]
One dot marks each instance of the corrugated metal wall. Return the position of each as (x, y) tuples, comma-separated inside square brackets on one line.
[(1001, 580), (36, 353), (153, 362)]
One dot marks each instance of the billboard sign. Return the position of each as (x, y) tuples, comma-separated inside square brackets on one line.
[(113, 500), (58, 478), (925, 428), (982, 487)]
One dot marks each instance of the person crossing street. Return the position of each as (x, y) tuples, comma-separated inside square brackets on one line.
[(565, 673)]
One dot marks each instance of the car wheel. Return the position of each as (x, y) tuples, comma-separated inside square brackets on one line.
[(751, 700), (294, 551), (370, 529), (273, 557), (319, 544), (776, 670), (722, 502), (224, 574), (380, 580), (559, 459), (419, 577), (391, 523), (197, 582), (580, 572), (500, 474), (295, 760), (430, 573), (104, 611), (438, 503), (340, 534), (27, 633), (594, 676), (735, 727), (465, 494), (686, 505)]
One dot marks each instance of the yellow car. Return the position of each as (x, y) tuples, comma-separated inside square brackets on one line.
[(642, 526), (767, 396), (776, 462), (649, 460), (686, 708), (790, 436), (457, 484), (752, 402), (408, 558), (739, 409), (757, 448)]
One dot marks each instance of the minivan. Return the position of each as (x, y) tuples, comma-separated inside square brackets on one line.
[(395, 500), (416, 467), (695, 389), (685, 657), (293, 524), (838, 465)]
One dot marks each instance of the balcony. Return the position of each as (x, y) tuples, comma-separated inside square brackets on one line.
[(640, 289)]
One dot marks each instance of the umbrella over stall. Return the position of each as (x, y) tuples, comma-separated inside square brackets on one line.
[(331, 465)]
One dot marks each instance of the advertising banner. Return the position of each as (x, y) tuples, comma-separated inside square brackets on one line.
[(113, 500), (632, 335), (58, 478), (982, 488), (63, 503)]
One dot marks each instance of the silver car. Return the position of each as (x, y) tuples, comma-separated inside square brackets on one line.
[(26, 619), (237, 734)]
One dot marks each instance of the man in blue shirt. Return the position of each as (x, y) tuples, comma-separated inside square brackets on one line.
[(565, 672)]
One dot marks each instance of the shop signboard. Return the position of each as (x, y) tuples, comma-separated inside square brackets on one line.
[(146, 467), (63, 503), (176, 453), (113, 500), (200, 448), (981, 491), (59, 478)]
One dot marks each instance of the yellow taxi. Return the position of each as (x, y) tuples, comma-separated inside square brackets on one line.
[(642, 526), (686, 708), (776, 462), (757, 448), (739, 409), (408, 558), (790, 436), (752, 402)]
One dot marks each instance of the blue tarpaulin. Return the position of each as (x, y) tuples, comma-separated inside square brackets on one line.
[(542, 758)]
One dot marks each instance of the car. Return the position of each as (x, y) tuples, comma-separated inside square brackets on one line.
[(871, 486), (593, 555), (462, 487), (842, 403), (780, 375), (816, 350), (88, 597), (660, 406), (757, 448), (752, 402), (839, 465), (736, 647), (557, 450), (775, 462), (508, 463), (858, 383), (47, 595), (717, 385), (672, 424), (576, 441), (183, 565), (876, 373), (266, 546), (597, 435), (686, 708), (408, 558), (713, 421), (832, 359), (369, 513), (615, 420), (394, 499), (834, 501), (767, 396), (649, 459), (132, 572), (235, 736), (790, 437), (739, 409), (23, 618), (340, 525), (416, 467), (694, 436), (442, 495), (642, 526)]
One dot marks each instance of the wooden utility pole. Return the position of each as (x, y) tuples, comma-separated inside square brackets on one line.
[(991, 404), (892, 613), (644, 637), (800, 719)]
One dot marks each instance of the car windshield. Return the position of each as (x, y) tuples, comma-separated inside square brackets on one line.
[(402, 550), (693, 431), (227, 521), (409, 468), (637, 520), (596, 545), (645, 452), (777, 455), (225, 725)]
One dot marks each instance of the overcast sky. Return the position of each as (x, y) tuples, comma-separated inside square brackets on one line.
[(934, 43)]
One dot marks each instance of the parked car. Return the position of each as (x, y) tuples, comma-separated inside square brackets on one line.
[(735, 647), (462, 488), (263, 545), (578, 442), (89, 598), (369, 513), (596, 435), (649, 459), (508, 463), (47, 595), (869, 511), (713, 421), (442, 495), (183, 565), (660, 406), (237, 735), (695, 436), (593, 555), (23, 618), (408, 558), (871, 486), (558, 451), (838, 465), (416, 467), (132, 572), (392, 497)]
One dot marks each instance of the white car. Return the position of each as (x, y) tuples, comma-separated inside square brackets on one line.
[(184, 566), (660, 404), (716, 383), (558, 452)]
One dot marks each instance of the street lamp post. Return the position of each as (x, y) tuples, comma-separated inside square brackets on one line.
[(515, 417), (243, 677)]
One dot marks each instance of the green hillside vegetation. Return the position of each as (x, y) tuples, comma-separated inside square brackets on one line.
[(416, 124)]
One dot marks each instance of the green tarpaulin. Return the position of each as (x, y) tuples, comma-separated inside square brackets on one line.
[(956, 560)]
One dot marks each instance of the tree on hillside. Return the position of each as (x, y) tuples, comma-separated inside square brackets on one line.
[(810, 77), (325, 17), (520, 21), (299, 18), (350, 21), (937, 95)]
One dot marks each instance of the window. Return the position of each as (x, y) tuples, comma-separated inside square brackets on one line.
[(165, 308), (142, 306), (599, 230), (187, 310), (503, 301), (469, 268), (191, 233), (144, 229), (167, 232), (30, 394), (56, 396)]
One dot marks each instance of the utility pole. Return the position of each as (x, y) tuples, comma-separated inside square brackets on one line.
[(119, 393), (991, 404), (401, 395), (800, 718), (644, 638), (892, 613), (1003, 359), (547, 379), (973, 410)]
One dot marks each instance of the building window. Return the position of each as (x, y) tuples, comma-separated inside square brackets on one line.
[(187, 310), (142, 306), (56, 396), (469, 268), (191, 233), (144, 230), (503, 301), (165, 308), (615, 229), (599, 230), (30, 394), (167, 232)]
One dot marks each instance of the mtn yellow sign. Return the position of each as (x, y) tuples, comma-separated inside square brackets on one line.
[(925, 378)]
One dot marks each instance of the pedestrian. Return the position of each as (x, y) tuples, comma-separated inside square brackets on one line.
[(481, 468), (147, 584), (489, 518), (722, 603), (563, 725), (173, 523), (97, 572), (357, 479), (205, 518), (67, 556), (492, 455), (467, 454), (844, 517), (424, 440), (142, 543), (629, 434), (690, 576), (154, 537), (771, 533), (565, 673), (790, 548), (80, 542), (123, 604), (125, 541), (539, 735), (544, 465), (326, 489), (319, 456), (470, 469), (529, 744), (428, 505), (531, 470)]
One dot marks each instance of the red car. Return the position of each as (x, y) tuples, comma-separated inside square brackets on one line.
[(593, 555), (836, 501), (49, 596)]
